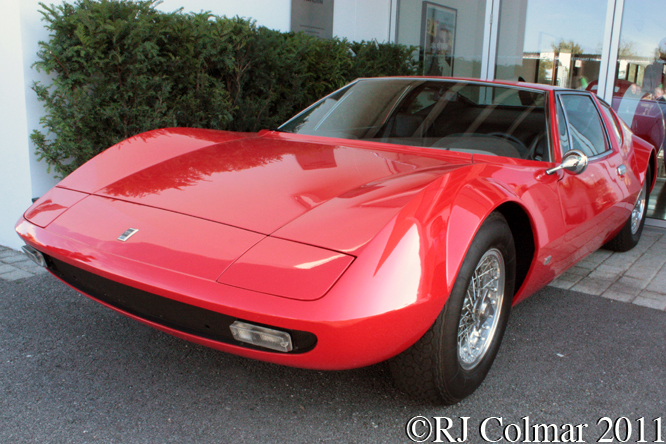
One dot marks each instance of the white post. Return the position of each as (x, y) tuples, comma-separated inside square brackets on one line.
[(490, 28), (610, 48)]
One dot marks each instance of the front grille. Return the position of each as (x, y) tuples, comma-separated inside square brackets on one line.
[(164, 311)]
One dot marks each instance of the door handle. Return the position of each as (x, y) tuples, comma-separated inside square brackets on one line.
[(621, 170)]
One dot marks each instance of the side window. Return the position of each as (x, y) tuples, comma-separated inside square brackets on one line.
[(609, 115), (584, 124)]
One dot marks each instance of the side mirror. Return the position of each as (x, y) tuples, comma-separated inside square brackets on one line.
[(574, 161)]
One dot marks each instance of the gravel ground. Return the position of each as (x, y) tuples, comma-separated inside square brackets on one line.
[(73, 371)]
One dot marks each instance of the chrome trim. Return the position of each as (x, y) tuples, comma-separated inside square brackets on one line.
[(601, 155), (574, 160), (34, 255)]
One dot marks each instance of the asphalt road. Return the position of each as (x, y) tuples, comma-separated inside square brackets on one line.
[(73, 371)]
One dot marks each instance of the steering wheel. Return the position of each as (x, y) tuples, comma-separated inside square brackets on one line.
[(533, 146), (510, 138)]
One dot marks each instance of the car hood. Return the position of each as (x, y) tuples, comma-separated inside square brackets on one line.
[(325, 192)]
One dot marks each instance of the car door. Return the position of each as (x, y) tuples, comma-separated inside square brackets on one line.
[(591, 201)]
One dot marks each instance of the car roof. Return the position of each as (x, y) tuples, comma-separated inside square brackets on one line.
[(537, 86)]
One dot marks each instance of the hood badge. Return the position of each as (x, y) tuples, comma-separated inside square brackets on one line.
[(127, 234)]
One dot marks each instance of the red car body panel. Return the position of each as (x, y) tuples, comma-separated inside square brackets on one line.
[(357, 242)]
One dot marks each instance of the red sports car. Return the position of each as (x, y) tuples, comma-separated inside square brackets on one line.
[(396, 219)]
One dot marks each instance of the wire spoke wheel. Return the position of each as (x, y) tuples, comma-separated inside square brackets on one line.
[(639, 210), (481, 309)]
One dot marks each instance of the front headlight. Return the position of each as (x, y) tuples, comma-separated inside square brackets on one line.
[(288, 269), (51, 205)]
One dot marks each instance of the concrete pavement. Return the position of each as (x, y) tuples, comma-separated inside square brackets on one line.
[(637, 276), (15, 265)]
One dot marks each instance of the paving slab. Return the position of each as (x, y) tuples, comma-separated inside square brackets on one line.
[(7, 253), (595, 259), (592, 286), (16, 265), (29, 266), (646, 266), (6, 268), (15, 275), (651, 300), (562, 283), (15, 257), (579, 270), (632, 276), (607, 273), (658, 283)]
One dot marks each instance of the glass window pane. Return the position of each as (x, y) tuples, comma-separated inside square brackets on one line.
[(638, 93), (585, 128), (449, 35), (552, 42), (562, 126), (609, 115), (440, 114)]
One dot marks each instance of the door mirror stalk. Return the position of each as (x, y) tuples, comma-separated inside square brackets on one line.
[(574, 161)]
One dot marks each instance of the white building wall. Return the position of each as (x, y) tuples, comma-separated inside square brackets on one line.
[(359, 20), (32, 32), (15, 173), (354, 20), (274, 14)]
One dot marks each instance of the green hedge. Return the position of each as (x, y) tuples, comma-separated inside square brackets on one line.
[(122, 67)]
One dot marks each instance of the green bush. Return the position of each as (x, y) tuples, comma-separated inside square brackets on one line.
[(122, 67)]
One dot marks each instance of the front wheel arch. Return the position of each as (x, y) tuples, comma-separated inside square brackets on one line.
[(433, 368), (523, 238)]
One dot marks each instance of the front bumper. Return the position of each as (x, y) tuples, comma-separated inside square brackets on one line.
[(361, 321)]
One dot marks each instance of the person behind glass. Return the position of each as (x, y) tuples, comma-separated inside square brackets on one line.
[(441, 48), (653, 79)]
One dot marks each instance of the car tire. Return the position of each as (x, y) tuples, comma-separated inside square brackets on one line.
[(439, 368), (631, 232)]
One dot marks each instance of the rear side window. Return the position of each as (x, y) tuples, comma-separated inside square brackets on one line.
[(606, 110), (584, 123)]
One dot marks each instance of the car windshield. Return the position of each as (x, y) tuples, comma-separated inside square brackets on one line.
[(449, 115)]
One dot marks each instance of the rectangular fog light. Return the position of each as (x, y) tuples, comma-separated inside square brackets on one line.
[(34, 255), (261, 336)]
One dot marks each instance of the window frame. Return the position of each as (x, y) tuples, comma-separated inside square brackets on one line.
[(609, 145)]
